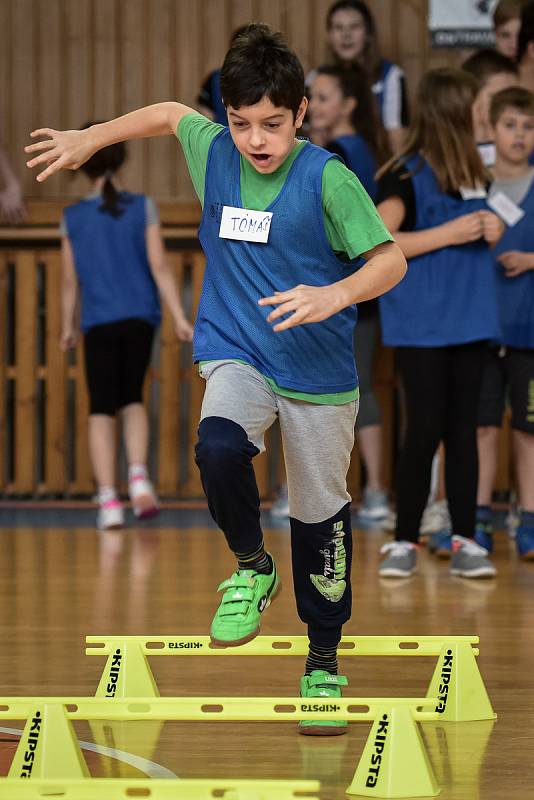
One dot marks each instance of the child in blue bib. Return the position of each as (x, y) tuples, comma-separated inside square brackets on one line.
[(441, 316), (273, 334), (509, 368)]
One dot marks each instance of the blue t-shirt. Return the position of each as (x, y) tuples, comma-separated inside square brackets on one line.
[(111, 261)]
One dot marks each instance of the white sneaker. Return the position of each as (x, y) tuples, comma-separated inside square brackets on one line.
[(374, 505), (143, 497), (436, 518), (110, 516)]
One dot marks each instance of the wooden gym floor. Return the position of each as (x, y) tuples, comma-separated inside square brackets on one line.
[(58, 584)]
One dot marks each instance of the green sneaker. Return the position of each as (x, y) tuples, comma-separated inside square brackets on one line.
[(246, 596), (322, 684)]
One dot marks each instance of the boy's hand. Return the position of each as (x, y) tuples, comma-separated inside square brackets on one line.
[(63, 150), (305, 304), (68, 339), (515, 262), (492, 227), (184, 330)]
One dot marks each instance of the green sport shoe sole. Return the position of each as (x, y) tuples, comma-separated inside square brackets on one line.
[(246, 596), (325, 688)]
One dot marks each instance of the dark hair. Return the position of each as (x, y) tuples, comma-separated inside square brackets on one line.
[(106, 162), (516, 97), (442, 130), (370, 59), (506, 10), (526, 31), (260, 64), (354, 82), (486, 63)]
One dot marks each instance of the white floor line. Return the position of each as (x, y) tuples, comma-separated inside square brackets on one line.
[(150, 768)]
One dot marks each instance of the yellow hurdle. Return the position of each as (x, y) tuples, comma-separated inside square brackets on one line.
[(456, 681), (394, 763), (187, 789)]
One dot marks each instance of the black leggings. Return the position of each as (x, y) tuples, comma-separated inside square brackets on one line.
[(441, 387)]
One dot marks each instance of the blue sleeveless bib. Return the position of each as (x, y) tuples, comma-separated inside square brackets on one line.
[(316, 358), (111, 262), (448, 296), (516, 295), (360, 160)]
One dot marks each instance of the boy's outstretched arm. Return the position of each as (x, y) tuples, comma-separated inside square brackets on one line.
[(71, 149), (385, 266)]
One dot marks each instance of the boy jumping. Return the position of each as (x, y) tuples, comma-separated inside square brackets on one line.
[(283, 222)]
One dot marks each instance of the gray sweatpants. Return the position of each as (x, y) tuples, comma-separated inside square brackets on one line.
[(317, 439)]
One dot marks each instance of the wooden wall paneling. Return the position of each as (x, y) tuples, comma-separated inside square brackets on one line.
[(270, 12), (6, 43), (193, 486), (241, 12), (132, 85), (3, 338), (50, 78), (188, 78), (83, 476), (106, 74), (169, 396), (25, 360), (80, 91), (24, 69), (297, 28), (160, 67), (55, 386)]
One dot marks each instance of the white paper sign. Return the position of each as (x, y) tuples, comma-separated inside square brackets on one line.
[(488, 153), (508, 211), (468, 193), (245, 224), (461, 23)]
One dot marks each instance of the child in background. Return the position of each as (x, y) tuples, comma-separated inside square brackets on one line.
[(294, 361), (506, 22), (494, 72), (114, 263), (353, 38), (343, 109), (439, 318), (509, 369)]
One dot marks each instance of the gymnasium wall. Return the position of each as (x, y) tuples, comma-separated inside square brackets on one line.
[(63, 62)]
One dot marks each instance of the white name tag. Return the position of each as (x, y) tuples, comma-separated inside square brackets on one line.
[(507, 210), (245, 224), (488, 153), (468, 193)]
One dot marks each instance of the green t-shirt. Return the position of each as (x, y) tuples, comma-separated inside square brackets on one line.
[(351, 221)]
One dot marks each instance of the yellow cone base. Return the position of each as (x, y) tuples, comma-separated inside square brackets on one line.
[(48, 747), (458, 685), (394, 763), (127, 673)]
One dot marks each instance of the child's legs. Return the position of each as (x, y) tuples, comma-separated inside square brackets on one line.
[(489, 420), (101, 370), (135, 342), (318, 441), (368, 424), (521, 377), (461, 455), (423, 372), (237, 409)]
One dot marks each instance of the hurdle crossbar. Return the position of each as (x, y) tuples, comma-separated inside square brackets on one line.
[(157, 789)]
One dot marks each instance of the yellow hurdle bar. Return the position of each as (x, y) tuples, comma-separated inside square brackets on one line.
[(278, 645), (187, 789), (178, 709)]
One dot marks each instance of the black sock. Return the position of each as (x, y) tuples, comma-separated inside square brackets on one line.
[(321, 658), (257, 559)]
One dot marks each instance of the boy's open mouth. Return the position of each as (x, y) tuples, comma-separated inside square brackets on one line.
[(263, 159)]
